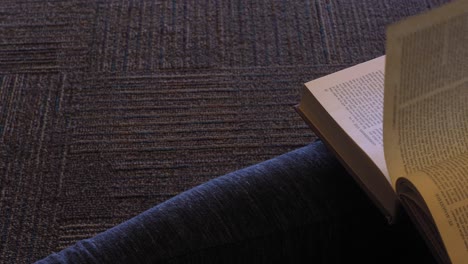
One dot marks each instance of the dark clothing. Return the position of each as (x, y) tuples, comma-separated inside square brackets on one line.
[(299, 207)]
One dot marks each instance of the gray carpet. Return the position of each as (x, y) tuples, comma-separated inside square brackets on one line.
[(110, 107)]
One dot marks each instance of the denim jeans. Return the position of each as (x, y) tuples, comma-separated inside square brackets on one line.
[(300, 207)]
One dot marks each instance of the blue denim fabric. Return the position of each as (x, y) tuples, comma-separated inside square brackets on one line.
[(298, 206)]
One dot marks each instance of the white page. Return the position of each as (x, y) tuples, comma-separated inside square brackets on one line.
[(354, 99)]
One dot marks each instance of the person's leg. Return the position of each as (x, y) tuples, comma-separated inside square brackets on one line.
[(301, 205)]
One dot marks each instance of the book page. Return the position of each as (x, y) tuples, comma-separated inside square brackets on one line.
[(426, 112), (443, 187), (345, 109), (354, 99)]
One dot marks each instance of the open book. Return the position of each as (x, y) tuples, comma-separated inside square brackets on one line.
[(399, 124)]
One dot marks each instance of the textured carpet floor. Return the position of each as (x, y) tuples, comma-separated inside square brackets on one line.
[(110, 107)]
